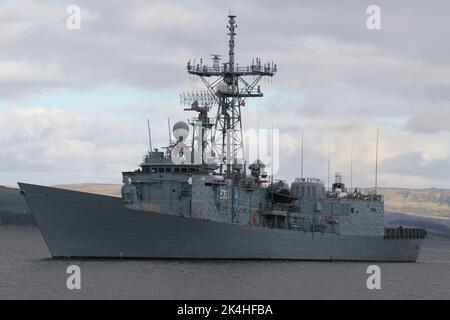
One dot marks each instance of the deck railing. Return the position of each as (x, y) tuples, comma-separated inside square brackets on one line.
[(404, 233)]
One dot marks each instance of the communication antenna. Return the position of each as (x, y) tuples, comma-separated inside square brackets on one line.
[(258, 123), (170, 134), (351, 165), (149, 135), (230, 85), (328, 161), (376, 165), (302, 155), (271, 153)]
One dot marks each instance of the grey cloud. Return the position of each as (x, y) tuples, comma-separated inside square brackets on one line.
[(147, 43), (332, 70), (56, 145), (431, 120), (413, 164)]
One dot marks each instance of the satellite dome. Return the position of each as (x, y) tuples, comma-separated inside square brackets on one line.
[(180, 131)]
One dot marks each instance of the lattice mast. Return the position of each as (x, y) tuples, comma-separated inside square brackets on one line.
[(228, 86)]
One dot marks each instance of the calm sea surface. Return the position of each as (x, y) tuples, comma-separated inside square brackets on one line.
[(27, 272)]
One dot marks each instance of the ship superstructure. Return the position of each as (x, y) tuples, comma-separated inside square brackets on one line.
[(200, 198)]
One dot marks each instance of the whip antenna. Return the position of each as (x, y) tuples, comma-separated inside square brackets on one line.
[(149, 135), (302, 156), (376, 165)]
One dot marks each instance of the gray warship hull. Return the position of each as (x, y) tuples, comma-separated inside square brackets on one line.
[(78, 224)]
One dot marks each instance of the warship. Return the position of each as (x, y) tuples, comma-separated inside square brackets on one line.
[(200, 197)]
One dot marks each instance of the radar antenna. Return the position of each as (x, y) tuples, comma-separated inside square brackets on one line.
[(201, 102), (228, 86)]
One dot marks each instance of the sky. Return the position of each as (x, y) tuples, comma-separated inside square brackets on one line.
[(74, 103)]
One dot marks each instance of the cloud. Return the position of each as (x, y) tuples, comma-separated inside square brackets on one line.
[(414, 164), (11, 71), (433, 119), (52, 145), (336, 78), (64, 146), (148, 43)]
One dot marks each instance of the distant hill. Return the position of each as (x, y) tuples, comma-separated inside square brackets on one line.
[(99, 188), (11, 200), (436, 228), (429, 203)]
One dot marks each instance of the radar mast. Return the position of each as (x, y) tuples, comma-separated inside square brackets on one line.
[(230, 85)]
